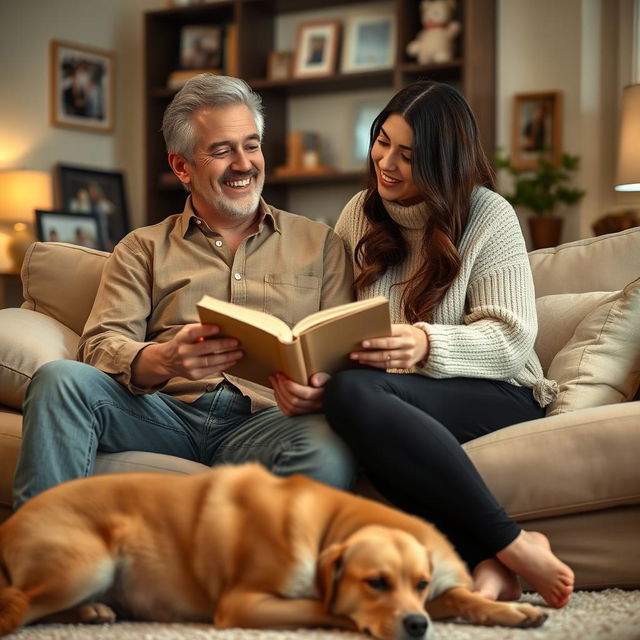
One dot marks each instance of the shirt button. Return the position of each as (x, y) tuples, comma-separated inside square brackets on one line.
[(218, 243), (198, 221), (237, 276)]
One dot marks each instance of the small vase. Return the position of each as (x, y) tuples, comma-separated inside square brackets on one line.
[(545, 231)]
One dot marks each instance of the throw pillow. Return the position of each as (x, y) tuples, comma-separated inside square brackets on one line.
[(558, 317), (600, 363), (27, 340)]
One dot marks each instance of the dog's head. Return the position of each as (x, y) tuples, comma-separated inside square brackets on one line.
[(379, 578)]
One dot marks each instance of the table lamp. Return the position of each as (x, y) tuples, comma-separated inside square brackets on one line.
[(628, 174), (21, 192)]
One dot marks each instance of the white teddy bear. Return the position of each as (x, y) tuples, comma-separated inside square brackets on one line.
[(434, 43)]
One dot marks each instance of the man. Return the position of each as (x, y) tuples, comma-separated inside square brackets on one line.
[(152, 378)]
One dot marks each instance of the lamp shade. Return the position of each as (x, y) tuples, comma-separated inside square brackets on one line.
[(21, 192), (628, 175)]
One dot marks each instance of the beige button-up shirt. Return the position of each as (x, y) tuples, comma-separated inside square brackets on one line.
[(290, 267)]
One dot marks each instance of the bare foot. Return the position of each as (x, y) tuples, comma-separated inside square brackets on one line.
[(530, 556), (492, 580)]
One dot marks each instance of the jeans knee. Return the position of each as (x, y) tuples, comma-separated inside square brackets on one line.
[(59, 372), (61, 381), (320, 454)]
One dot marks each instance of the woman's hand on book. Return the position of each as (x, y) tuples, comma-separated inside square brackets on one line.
[(295, 399), (406, 346)]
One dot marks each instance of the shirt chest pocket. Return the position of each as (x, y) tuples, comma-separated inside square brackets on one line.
[(291, 297)]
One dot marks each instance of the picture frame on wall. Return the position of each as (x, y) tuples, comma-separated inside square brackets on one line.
[(369, 41), (82, 86), (97, 192), (82, 229), (316, 48), (537, 128)]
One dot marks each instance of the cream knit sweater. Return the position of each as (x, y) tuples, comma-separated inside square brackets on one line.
[(492, 338)]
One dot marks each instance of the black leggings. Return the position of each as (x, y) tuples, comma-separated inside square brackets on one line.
[(406, 431)]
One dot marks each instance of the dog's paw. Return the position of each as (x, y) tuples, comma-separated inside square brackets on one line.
[(523, 615), (96, 613)]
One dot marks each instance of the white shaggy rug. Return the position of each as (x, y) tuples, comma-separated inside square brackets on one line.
[(612, 614)]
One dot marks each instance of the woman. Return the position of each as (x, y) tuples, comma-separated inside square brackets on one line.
[(430, 233)]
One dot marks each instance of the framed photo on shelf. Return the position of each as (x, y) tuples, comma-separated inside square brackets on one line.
[(369, 41), (96, 192), (77, 228), (537, 128), (201, 47), (280, 65), (81, 87), (316, 48)]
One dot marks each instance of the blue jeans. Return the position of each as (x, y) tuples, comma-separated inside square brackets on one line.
[(73, 410)]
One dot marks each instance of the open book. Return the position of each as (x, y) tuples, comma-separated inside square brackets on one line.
[(320, 342)]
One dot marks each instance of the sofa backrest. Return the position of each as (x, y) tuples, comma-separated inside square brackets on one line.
[(603, 263), (61, 280)]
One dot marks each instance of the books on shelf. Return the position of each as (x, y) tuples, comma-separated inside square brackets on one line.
[(320, 342)]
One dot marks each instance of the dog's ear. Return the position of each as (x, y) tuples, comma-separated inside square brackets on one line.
[(328, 574)]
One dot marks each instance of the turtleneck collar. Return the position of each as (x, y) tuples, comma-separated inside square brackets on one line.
[(409, 217)]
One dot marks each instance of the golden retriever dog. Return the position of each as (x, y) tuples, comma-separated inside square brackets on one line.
[(236, 546)]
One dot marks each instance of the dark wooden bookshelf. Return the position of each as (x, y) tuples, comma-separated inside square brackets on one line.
[(472, 71)]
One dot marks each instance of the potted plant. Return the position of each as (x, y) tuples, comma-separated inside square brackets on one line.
[(541, 190)]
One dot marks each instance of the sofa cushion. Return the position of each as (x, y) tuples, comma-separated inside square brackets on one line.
[(27, 340), (558, 317), (600, 362), (10, 439), (61, 281), (571, 267), (570, 463)]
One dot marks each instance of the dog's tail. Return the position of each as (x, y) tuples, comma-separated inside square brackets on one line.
[(13, 604), (13, 609)]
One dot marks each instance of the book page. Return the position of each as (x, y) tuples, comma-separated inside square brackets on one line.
[(328, 315), (327, 345)]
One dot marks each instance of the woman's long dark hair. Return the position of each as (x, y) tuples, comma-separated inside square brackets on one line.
[(447, 164)]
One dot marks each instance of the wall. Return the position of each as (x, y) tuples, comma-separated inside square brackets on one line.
[(27, 138)]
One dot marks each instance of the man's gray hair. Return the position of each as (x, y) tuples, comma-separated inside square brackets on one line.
[(205, 90)]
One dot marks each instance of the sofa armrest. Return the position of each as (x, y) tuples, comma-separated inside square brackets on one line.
[(573, 462), (28, 340)]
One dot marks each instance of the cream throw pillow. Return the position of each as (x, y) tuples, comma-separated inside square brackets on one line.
[(600, 361), (28, 339)]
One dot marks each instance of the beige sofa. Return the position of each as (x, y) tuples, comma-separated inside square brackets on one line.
[(574, 475)]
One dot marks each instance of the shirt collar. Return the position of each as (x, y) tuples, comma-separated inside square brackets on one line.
[(266, 216)]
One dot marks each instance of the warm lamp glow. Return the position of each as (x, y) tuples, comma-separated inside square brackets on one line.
[(21, 192), (628, 175)]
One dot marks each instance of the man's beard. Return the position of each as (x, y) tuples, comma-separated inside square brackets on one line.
[(236, 208)]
